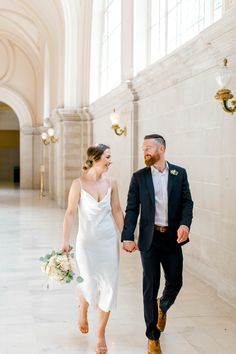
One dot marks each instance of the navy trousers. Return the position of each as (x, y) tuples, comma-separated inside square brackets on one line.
[(161, 253)]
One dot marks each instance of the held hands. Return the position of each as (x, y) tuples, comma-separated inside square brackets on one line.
[(182, 233), (130, 246)]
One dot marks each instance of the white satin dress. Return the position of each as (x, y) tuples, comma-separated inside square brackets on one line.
[(97, 251)]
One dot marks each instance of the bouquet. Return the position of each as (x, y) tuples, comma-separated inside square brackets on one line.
[(60, 266)]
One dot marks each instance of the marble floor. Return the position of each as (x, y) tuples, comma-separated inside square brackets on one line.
[(37, 320)]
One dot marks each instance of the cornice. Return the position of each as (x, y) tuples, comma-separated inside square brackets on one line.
[(70, 115), (120, 96)]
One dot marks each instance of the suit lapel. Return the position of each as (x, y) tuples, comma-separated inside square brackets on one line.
[(170, 181), (150, 186)]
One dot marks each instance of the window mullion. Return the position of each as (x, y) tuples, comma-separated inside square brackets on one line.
[(166, 27), (148, 33)]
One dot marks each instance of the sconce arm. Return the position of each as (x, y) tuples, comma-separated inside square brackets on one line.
[(53, 139), (46, 141), (118, 130), (227, 108), (225, 95)]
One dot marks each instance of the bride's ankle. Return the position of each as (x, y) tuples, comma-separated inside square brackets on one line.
[(101, 337)]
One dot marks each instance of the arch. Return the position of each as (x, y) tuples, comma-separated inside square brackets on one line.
[(16, 102), (23, 112)]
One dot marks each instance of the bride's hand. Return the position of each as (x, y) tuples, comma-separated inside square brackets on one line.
[(130, 246), (66, 248)]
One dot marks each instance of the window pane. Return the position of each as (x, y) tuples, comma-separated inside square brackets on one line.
[(171, 4), (154, 43), (114, 17), (217, 9), (162, 37), (162, 8), (172, 30), (103, 82), (155, 12), (104, 56), (114, 75), (110, 72), (114, 46)]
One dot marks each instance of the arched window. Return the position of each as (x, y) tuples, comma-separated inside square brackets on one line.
[(110, 69), (106, 47)]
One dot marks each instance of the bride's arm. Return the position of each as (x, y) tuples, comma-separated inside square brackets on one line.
[(73, 202), (115, 206)]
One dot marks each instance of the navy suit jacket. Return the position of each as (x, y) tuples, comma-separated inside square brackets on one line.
[(141, 200)]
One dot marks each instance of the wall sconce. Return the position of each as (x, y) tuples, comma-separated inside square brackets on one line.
[(115, 124), (223, 78), (48, 136)]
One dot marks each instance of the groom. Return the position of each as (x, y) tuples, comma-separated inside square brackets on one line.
[(160, 194)]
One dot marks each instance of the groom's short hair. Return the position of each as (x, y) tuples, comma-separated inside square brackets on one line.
[(157, 137)]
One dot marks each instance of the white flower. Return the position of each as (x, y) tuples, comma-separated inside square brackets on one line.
[(43, 267), (174, 172)]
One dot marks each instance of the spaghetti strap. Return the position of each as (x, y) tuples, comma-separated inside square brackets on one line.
[(110, 185), (80, 182)]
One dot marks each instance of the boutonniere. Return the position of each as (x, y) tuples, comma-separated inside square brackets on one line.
[(174, 172)]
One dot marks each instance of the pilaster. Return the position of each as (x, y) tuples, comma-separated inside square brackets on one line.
[(66, 157)]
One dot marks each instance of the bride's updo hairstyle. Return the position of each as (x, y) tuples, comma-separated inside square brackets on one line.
[(94, 153)]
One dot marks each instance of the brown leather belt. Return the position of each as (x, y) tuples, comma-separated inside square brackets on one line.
[(161, 229)]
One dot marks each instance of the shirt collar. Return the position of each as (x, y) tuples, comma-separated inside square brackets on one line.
[(155, 170)]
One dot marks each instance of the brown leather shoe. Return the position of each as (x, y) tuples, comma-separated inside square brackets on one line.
[(161, 322), (154, 347)]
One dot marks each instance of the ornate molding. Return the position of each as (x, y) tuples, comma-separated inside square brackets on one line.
[(70, 115), (27, 130), (7, 71)]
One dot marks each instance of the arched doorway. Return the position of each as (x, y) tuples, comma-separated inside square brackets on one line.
[(17, 104), (9, 145)]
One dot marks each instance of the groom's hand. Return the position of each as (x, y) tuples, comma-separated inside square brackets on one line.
[(182, 233), (130, 246)]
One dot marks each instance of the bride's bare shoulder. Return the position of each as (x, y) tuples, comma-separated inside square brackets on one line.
[(112, 181), (77, 180), (76, 184)]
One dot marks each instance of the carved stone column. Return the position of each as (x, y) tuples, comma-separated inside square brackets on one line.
[(66, 157), (26, 154), (30, 152)]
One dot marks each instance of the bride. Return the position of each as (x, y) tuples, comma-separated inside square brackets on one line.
[(97, 246)]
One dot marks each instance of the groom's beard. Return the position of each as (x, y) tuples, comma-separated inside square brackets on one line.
[(151, 160)]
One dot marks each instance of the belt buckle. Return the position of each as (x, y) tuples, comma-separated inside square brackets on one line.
[(162, 229)]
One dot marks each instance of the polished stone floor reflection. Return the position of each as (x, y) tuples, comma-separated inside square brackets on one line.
[(37, 320)]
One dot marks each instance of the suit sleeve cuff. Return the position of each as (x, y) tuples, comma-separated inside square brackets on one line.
[(185, 227)]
